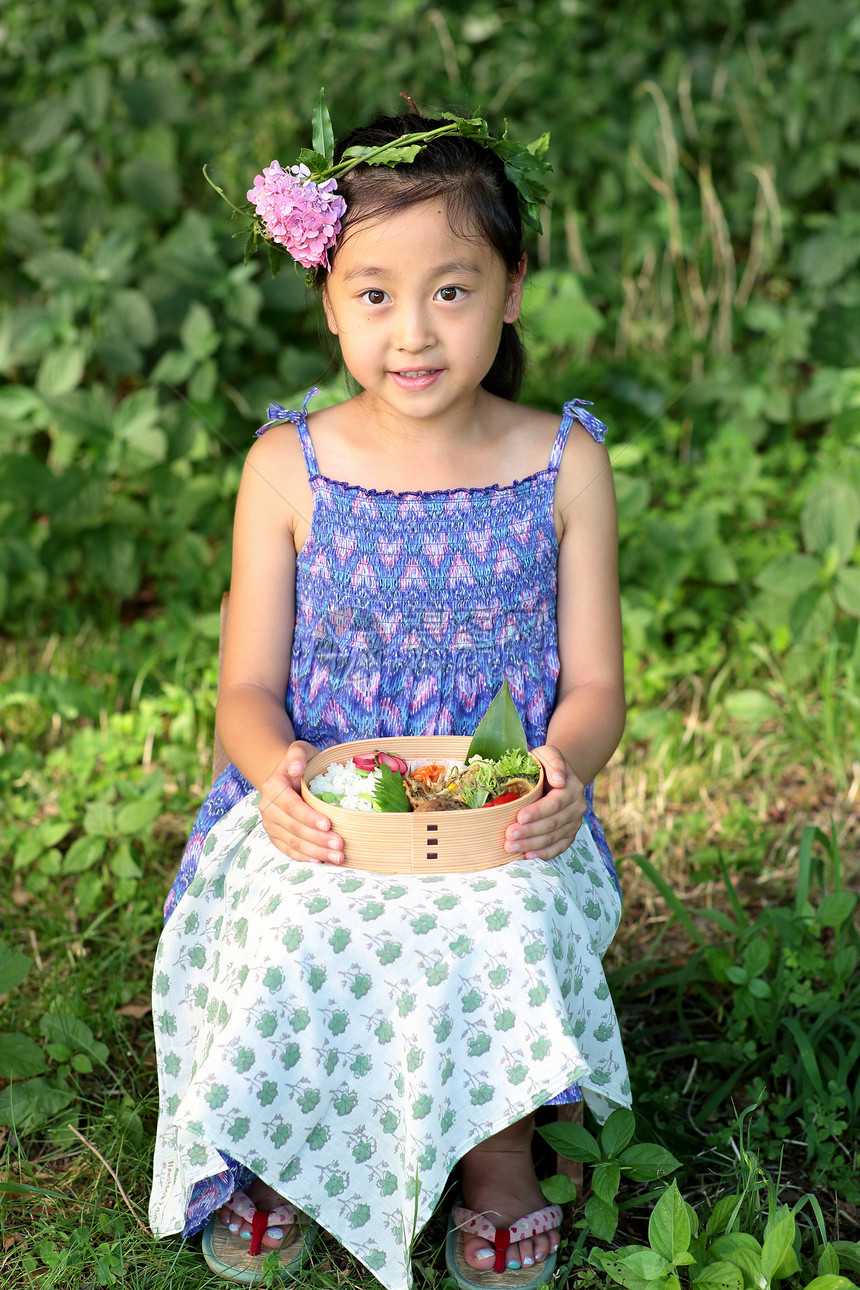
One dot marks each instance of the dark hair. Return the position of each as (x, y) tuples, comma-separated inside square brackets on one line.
[(481, 202)]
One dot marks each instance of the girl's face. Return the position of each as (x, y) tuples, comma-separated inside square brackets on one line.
[(418, 310)]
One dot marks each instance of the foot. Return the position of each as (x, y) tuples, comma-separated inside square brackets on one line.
[(265, 1199), (499, 1181)]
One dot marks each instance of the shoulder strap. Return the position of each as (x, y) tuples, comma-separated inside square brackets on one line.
[(574, 408), (277, 414)]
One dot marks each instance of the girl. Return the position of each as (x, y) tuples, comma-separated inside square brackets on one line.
[(333, 1042)]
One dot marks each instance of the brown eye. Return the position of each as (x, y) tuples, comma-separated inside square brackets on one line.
[(375, 297), (450, 294)]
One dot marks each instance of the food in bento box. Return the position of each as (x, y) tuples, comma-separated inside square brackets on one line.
[(384, 782)]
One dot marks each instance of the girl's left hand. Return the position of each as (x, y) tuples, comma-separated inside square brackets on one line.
[(543, 829)]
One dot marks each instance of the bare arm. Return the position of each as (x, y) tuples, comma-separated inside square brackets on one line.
[(251, 717), (588, 718)]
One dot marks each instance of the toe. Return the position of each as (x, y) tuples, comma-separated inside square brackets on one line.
[(524, 1251), (478, 1254), (277, 1235), (545, 1245)]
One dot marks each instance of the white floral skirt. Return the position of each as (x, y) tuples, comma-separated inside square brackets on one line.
[(349, 1036)]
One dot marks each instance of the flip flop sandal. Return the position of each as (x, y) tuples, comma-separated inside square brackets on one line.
[(465, 1222), (234, 1258)]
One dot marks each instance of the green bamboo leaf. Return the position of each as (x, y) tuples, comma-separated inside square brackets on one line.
[(323, 134), (500, 730)]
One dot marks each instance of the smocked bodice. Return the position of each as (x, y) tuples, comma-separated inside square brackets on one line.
[(412, 608)]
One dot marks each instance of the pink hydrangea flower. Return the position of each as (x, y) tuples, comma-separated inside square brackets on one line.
[(298, 213)]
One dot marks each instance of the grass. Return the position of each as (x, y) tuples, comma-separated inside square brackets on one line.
[(102, 732)]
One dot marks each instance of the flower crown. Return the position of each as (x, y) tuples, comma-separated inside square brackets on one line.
[(299, 211)]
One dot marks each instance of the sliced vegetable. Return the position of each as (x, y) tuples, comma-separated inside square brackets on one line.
[(429, 774), (501, 799), (366, 761), (393, 763)]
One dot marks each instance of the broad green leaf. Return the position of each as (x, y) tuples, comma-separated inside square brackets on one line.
[(20, 1056), (756, 956), (605, 1178), (778, 1243), (749, 1263), (18, 401), (135, 816), (846, 589), (789, 575), (617, 1132), (61, 371), (500, 730), (811, 615), (198, 333), (849, 1254), (828, 1262), (63, 1028), (753, 706), (83, 854), (571, 1141), (830, 1282), (559, 1190), (616, 1268), (719, 1276), (827, 257), (831, 516), (28, 1104), (724, 1246), (123, 864), (836, 908), (323, 134), (645, 1162), (669, 1226), (13, 968), (98, 818), (601, 1217), (57, 268), (648, 1264), (558, 310)]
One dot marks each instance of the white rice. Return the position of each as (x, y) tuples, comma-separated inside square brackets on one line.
[(353, 790)]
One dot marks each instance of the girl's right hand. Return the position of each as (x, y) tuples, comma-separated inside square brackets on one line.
[(291, 824)]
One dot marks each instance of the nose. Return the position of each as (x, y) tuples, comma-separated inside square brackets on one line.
[(413, 331)]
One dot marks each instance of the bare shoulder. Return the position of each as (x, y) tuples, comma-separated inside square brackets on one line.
[(275, 479), (584, 491)]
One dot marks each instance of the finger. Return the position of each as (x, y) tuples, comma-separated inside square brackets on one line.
[(555, 767)]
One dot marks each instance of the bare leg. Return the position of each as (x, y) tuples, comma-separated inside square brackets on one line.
[(499, 1181), (266, 1199)]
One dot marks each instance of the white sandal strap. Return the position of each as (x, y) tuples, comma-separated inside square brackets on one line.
[(541, 1220)]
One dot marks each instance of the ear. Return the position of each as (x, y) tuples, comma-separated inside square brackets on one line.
[(329, 313), (515, 293)]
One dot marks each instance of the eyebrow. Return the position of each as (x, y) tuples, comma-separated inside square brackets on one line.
[(438, 271)]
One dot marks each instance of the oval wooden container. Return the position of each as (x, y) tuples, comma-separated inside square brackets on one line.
[(418, 841)]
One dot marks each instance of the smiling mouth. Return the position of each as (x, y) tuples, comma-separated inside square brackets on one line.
[(415, 373)]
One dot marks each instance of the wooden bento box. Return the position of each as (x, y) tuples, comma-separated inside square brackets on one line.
[(417, 841)]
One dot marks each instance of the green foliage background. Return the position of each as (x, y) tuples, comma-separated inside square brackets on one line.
[(698, 279)]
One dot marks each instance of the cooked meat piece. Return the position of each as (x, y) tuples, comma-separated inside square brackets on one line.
[(440, 804)]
